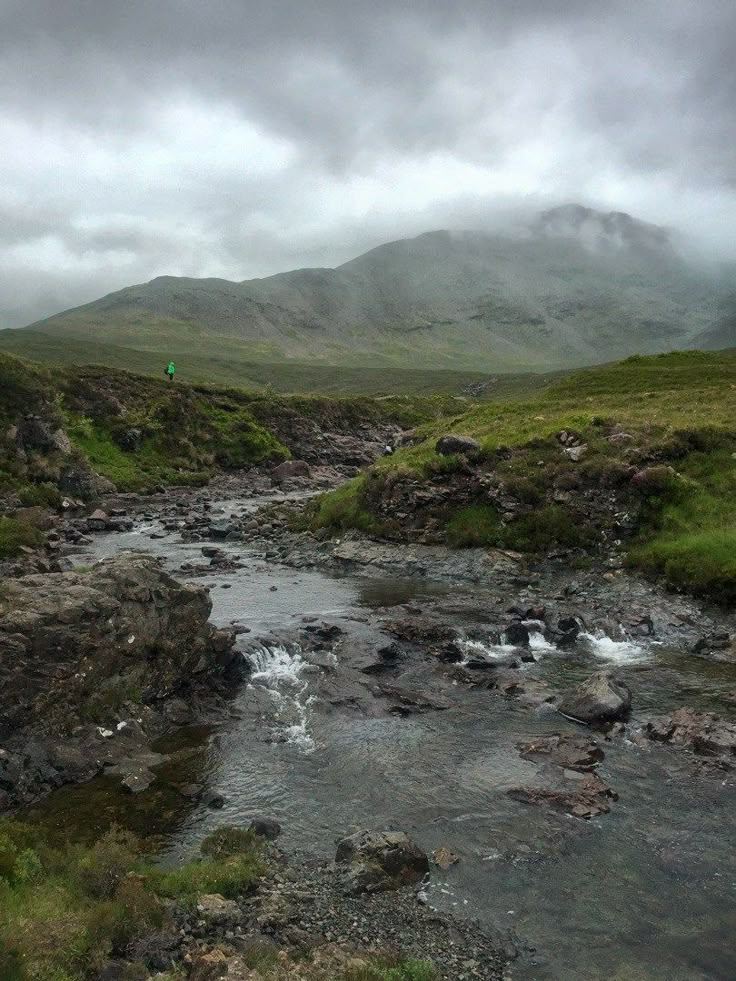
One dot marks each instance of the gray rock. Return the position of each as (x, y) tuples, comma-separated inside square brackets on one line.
[(381, 860), (217, 911), (138, 779), (265, 828), (576, 453), (600, 698), (452, 443), (290, 468)]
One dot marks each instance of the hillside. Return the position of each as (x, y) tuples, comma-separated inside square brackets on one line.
[(76, 433), (630, 462), (575, 287)]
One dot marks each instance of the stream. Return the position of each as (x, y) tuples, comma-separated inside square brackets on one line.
[(644, 892)]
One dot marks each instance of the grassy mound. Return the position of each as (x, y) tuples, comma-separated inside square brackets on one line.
[(676, 416)]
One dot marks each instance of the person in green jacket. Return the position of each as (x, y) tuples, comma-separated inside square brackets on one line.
[(169, 370)]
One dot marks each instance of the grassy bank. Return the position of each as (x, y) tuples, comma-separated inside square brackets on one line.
[(675, 416), (67, 912), (141, 432)]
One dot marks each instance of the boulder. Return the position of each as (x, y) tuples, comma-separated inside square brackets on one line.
[(576, 453), (218, 912), (34, 433), (83, 633), (264, 827), (517, 634), (452, 443), (381, 860), (129, 439), (290, 468), (600, 698), (79, 481)]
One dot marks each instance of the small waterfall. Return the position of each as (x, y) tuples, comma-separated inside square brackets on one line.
[(280, 671)]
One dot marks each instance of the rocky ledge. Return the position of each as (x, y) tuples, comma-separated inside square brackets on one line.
[(90, 663)]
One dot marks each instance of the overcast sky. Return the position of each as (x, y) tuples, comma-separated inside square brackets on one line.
[(238, 138)]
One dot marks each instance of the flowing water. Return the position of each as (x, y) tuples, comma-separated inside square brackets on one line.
[(645, 892)]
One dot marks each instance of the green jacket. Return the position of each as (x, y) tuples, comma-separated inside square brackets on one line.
[(171, 369)]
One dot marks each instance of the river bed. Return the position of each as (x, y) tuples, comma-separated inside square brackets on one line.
[(644, 892)]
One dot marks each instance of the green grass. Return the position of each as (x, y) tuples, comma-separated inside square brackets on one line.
[(217, 360), (387, 968), (474, 527), (344, 509), (65, 910), (680, 410), (688, 532), (15, 535)]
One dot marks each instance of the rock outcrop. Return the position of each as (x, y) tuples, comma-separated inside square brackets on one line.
[(88, 661), (66, 637)]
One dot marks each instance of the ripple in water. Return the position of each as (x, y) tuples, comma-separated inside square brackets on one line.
[(280, 671)]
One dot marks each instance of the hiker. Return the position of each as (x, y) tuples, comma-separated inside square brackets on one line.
[(169, 370)]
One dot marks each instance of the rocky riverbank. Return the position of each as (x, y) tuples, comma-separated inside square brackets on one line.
[(97, 663)]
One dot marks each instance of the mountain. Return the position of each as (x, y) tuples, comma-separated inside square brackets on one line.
[(575, 286)]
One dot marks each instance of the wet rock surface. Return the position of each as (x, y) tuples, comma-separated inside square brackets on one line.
[(704, 732), (600, 698)]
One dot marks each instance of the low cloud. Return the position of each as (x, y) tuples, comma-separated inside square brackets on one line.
[(243, 138)]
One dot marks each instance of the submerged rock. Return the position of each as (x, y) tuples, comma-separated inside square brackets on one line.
[(582, 795), (600, 698), (381, 860), (564, 749)]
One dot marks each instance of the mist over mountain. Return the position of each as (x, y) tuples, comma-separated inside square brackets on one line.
[(573, 286)]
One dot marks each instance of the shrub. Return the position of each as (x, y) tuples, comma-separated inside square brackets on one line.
[(40, 495), (102, 868), (133, 911), (548, 527)]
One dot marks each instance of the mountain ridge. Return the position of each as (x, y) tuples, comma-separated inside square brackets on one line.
[(574, 287)]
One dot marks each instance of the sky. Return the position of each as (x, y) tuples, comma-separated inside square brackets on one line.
[(238, 138)]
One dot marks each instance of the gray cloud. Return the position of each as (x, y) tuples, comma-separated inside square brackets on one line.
[(238, 138)]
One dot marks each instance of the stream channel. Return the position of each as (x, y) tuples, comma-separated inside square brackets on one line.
[(643, 892)]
